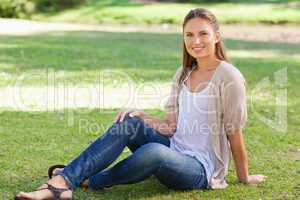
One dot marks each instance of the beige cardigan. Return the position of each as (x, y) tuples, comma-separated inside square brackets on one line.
[(227, 113)]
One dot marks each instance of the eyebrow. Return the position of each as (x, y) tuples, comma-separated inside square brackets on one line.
[(199, 31)]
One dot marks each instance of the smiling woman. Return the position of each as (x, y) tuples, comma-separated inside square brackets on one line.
[(189, 148), (195, 34)]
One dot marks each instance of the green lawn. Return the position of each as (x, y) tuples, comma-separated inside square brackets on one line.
[(32, 141), (82, 56), (126, 11), (78, 53)]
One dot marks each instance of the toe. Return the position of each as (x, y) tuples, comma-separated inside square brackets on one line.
[(24, 195)]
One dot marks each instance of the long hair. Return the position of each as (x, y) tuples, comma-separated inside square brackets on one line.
[(188, 61)]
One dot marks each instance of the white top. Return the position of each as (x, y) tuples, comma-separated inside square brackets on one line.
[(228, 113), (192, 134)]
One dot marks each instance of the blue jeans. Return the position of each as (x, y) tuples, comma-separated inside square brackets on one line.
[(151, 156)]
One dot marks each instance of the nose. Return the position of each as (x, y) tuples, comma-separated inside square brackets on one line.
[(197, 40)]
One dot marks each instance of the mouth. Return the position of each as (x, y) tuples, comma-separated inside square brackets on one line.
[(198, 49)]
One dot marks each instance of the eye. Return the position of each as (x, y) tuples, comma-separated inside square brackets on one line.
[(188, 35), (203, 33)]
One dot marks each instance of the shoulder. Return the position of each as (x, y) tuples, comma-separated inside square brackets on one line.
[(228, 73)]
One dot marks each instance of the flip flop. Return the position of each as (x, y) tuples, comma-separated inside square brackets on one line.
[(56, 192), (53, 167)]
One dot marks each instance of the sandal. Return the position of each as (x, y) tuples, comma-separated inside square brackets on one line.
[(55, 191), (51, 174), (52, 168)]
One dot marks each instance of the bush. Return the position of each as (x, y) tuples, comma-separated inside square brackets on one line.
[(24, 8), (55, 5), (16, 8)]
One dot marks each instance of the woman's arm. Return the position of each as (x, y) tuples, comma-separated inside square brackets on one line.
[(239, 154), (166, 126)]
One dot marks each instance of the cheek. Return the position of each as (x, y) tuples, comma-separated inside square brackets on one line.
[(188, 47), (209, 40), (190, 51), (210, 44), (187, 44)]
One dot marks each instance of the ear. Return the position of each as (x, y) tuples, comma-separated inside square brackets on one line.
[(217, 37)]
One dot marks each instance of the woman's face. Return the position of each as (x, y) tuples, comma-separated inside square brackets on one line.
[(200, 38)]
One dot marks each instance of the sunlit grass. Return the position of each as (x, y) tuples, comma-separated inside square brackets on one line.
[(165, 12), (32, 141)]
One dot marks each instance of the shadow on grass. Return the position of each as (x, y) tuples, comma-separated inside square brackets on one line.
[(146, 189), (95, 49), (145, 57)]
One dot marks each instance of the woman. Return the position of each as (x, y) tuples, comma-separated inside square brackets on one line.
[(190, 148)]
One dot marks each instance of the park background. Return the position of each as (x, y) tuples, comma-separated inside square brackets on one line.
[(68, 66)]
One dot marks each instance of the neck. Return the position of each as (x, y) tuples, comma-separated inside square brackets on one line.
[(207, 63)]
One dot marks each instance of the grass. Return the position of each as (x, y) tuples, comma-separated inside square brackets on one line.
[(132, 12), (34, 141), (80, 57), (96, 50)]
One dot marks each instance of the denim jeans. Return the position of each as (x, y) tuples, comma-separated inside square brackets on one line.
[(151, 155)]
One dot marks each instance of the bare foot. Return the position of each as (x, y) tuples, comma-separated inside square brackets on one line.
[(42, 193)]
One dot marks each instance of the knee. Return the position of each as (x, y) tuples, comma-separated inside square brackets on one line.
[(130, 126), (134, 121)]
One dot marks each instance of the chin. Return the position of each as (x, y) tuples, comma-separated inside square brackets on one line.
[(199, 56)]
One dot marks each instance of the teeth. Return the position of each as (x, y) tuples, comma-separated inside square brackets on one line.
[(197, 48)]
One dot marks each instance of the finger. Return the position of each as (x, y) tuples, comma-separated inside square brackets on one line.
[(117, 118), (123, 115), (133, 114)]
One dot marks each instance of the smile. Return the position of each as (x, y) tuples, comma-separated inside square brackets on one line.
[(197, 49)]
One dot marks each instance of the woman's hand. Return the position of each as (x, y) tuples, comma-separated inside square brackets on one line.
[(255, 179), (132, 113)]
